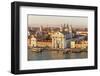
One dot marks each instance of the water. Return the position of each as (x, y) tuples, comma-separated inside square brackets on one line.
[(54, 55)]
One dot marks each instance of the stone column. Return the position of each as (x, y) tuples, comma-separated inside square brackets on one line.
[(55, 43), (52, 42), (60, 42)]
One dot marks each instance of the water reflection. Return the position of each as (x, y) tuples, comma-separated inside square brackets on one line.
[(51, 55)]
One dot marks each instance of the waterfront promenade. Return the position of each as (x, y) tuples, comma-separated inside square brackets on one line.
[(67, 50)]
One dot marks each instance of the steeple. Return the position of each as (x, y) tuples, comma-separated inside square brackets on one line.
[(28, 33), (41, 28), (66, 28), (61, 28), (70, 29)]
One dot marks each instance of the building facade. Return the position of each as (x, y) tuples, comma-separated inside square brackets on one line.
[(58, 40), (32, 41), (61, 39)]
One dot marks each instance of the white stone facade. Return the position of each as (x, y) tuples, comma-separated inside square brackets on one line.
[(58, 40), (33, 41), (62, 38)]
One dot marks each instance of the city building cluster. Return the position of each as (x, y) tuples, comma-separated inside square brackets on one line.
[(62, 37)]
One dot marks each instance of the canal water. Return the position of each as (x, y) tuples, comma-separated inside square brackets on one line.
[(55, 55)]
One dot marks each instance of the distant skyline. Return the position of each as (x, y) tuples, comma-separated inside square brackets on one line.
[(57, 21)]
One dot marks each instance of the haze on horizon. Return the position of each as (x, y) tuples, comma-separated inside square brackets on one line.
[(57, 21)]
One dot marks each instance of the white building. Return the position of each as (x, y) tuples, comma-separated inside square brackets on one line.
[(33, 41), (62, 39), (58, 40), (72, 44)]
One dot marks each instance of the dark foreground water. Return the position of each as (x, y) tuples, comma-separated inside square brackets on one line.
[(51, 55)]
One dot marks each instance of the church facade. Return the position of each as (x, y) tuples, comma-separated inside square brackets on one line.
[(58, 40), (61, 39)]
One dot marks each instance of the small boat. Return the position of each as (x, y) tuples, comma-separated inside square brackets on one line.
[(37, 50)]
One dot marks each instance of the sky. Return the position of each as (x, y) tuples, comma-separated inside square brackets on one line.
[(56, 21)]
